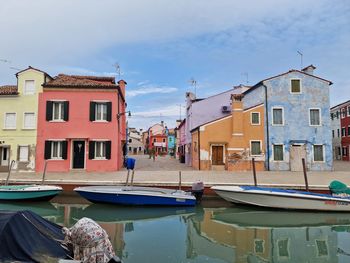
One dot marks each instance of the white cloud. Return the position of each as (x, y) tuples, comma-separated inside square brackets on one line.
[(149, 90)]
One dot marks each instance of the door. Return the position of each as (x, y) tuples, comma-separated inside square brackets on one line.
[(297, 152), (5, 155), (217, 157), (78, 154)]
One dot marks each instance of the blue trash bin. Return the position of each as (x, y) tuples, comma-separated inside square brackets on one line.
[(130, 163)]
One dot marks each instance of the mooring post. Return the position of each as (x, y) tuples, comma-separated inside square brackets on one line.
[(44, 173), (254, 172), (132, 177), (305, 175), (179, 180), (9, 172), (127, 178)]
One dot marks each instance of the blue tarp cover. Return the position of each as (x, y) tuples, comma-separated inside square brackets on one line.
[(27, 237)]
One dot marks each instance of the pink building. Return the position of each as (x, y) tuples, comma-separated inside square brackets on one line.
[(181, 151), (81, 124)]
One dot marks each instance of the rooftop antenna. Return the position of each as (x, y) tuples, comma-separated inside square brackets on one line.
[(301, 59), (117, 69), (193, 82), (180, 109), (246, 76)]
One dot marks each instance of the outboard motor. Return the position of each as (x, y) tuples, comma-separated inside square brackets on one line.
[(198, 190)]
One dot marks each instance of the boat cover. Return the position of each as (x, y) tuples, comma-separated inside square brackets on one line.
[(27, 237), (338, 187)]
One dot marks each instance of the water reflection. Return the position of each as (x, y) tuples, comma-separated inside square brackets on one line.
[(229, 234)]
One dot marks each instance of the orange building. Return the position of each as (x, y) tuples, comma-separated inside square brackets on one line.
[(230, 143)]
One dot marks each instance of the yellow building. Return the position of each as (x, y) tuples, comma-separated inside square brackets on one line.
[(18, 120), (231, 142)]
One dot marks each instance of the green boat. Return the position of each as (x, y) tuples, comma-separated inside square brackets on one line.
[(28, 192)]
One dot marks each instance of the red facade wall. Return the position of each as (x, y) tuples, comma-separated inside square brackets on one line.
[(79, 127), (345, 123)]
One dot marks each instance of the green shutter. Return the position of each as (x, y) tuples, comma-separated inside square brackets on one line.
[(92, 111), (49, 110)]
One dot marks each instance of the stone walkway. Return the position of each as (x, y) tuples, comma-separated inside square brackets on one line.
[(160, 163)]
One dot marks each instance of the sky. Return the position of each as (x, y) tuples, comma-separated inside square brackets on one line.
[(161, 45)]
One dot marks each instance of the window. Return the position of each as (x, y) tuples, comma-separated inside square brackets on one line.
[(322, 248), (154, 140), (130, 140), (163, 140), (259, 246), (343, 113), (129, 149), (278, 152), (277, 116), (57, 110), (139, 148), (345, 151), (315, 117), (295, 86), (255, 118), (100, 150), (339, 151), (10, 121), (332, 116), (283, 248), (343, 132), (56, 150), (29, 87), (23, 153), (100, 111), (349, 130), (333, 133), (338, 133), (337, 114), (255, 147), (348, 111), (29, 120), (318, 153)]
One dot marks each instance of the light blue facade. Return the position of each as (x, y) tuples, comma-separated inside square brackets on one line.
[(296, 129), (171, 144)]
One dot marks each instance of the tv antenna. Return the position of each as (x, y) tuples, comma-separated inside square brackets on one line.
[(301, 59), (193, 83), (117, 69), (246, 77)]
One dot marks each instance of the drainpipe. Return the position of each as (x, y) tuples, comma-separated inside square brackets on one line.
[(199, 148), (267, 129)]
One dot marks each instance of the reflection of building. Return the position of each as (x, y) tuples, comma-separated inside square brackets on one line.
[(234, 244)]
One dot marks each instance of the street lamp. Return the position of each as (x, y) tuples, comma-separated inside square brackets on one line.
[(123, 113)]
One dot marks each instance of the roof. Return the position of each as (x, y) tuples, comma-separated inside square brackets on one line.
[(75, 81), (30, 67), (9, 90), (285, 73), (341, 104)]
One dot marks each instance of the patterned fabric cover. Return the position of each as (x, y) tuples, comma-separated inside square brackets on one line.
[(90, 241)]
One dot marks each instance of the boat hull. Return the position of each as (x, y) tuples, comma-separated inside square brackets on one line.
[(282, 199), (135, 196), (28, 193)]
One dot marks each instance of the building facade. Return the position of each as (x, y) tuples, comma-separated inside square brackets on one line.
[(19, 112), (135, 145), (296, 118), (345, 130), (81, 124), (336, 133)]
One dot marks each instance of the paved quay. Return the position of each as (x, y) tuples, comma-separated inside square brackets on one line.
[(164, 172)]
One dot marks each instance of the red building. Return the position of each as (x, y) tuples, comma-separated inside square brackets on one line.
[(345, 130), (81, 124), (158, 139)]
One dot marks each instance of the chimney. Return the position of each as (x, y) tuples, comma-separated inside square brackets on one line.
[(122, 84), (237, 116), (309, 69)]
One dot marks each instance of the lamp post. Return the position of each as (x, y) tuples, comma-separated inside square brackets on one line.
[(125, 150)]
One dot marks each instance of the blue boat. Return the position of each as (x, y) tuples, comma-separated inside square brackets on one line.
[(135, 195)]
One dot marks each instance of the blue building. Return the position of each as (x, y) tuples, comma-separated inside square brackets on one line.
[(171, 142), (297, 123)]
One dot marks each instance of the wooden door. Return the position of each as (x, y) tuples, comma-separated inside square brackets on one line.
[(297, 152), (78, 154), (217, 155), (5, 155)]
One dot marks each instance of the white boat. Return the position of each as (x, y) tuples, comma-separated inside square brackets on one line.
[(28, 192), (282, 199), (134, 195)]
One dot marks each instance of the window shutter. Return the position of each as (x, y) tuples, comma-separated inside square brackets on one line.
[(18, 152), (47, 150), (92, 110), (64, 150), (109, 111), (49, 110), (108, 150), (66, 110), (91, 150)]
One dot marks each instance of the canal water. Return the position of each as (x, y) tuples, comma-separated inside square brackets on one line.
[(214, 231)]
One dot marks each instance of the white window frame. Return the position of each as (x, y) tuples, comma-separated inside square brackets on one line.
[(290, 84), (342, 116), (95, 154), (19, 153), (59, 149), (250, 147), (319, 114), (273, 152), (278, 108), (251, 118), (10, 128), (323, 153), (24, 121), (25, 91), (60, 111), (341, 132), (103, 105)]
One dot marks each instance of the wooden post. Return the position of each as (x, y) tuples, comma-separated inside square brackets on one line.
[(44, 173), (9, 172), (254, 172), (179, 180), (132, 177), (305, 175), (127, 178)]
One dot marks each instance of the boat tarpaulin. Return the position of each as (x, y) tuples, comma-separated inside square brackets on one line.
[(27, 237)]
